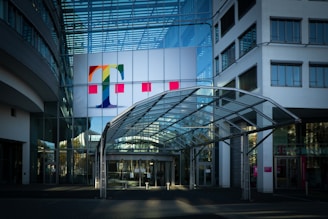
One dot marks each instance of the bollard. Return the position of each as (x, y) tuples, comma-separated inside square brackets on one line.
[(167, 186), (306, 188), (147, 185)]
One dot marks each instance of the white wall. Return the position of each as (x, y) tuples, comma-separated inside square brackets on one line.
[(294, 97), (18, 129), (264, 53)]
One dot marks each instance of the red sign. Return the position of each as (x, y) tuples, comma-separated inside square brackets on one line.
[(267, 169)]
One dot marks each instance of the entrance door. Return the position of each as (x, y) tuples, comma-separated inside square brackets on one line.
[(204, 175), (10, 162), (50, 173), (287, 172)]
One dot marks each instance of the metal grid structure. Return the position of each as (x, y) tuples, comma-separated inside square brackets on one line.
[(194, 117), (93, 26)]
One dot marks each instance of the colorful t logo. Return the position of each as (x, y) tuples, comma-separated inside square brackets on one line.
[(105, 81)]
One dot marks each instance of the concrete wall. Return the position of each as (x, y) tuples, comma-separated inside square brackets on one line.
[(17, 128)]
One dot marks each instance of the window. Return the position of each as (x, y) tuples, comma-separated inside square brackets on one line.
[(228, 20), (247, 41), (244, 6), (217, 70), (228, 96), (318, 32), (216, 32), (248, 80), (228, 56), (286, 75), (319, 75), (285, 31)]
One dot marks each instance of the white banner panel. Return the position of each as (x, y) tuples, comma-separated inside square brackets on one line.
[(105, 84)]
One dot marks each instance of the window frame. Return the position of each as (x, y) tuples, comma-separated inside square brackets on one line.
[(228, 94), (226, 22), (244, 8), (324, 77), (246, 75), (216, 33), (280, 30), (228, 56), (217, 65), (315, 40), (252, 45), (282, 77)]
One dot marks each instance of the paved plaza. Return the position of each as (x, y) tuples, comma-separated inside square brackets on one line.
[(84, 202)]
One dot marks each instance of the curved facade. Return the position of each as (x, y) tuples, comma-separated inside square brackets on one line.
[(29, 79)]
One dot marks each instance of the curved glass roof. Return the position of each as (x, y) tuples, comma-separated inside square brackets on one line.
[(197, 116)]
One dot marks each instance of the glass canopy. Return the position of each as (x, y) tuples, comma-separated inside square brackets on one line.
[(197, 116)]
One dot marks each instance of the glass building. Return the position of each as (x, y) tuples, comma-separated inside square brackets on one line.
[(131, 49), (120, 53), (151, 92)]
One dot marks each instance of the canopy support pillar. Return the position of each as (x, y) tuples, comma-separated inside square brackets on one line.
[(192, 169), (246, 190), (103, 181)]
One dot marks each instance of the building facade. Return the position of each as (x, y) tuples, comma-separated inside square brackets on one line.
[(277, 49), (31, 70), (84, 62), (69, 67)]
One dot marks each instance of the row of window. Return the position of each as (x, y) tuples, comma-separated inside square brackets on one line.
[(285, 75), (290, 75), (227, 21), (17, 21), (282, 31), (289, 31), (247, 41)]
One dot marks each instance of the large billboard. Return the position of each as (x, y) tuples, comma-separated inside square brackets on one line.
[(105, 84)]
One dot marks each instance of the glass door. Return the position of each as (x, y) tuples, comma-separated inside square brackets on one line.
[(50, 173), (204, 175), (287, 171)]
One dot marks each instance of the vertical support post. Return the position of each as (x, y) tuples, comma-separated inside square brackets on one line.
[(192, 170), (167, 172), (246, 173), (139, 164), (155, 172), (103, 181), (173, 166), (96, 169)]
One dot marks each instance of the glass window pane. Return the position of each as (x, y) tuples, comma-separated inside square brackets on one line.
[(320, 77), (297, 76), (320, 33), (274, 75), (312, 33), (289, 75), (312, 77), (297, 32), (282, 34), (326, 33), (281, 76), (326, 77), (289, 30), (274, 30)]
